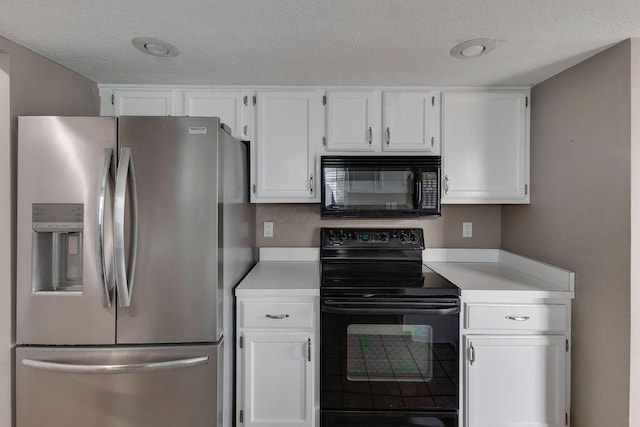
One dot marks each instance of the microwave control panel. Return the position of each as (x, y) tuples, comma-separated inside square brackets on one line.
[(428, 190)]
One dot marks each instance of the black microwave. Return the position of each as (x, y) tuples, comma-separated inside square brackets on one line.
[(380, 186)]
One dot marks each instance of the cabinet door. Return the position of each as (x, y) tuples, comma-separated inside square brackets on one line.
[(286, 127), (485, 143), (410, 122), (144, 102), (229, 105), (278, 379), (515, 380), (352, 121)]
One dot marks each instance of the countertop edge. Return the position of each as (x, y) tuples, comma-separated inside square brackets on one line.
[(289, 254)]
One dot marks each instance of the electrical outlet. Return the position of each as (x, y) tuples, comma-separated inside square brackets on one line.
[(467, 229), (268, 229)]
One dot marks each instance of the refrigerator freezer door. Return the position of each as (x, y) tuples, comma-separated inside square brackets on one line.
[(129, 387), (61, 294), (174, 296)]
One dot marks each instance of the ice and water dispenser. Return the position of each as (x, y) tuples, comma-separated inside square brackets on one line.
[(57, 247)]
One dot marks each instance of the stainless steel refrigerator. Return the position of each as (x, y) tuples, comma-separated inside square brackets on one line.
[(131, 234)]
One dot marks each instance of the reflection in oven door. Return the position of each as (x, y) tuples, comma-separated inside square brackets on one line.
[(391, 361)]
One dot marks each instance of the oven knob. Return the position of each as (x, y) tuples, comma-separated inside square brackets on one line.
[(384, 237), (331, 237), (341, 236), (402, 236), (413, 236)]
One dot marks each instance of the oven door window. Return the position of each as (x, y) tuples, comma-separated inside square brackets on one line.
[(388, 361), (392, 353)]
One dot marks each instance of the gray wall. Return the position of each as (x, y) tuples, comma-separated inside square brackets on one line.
[(37, 87), (579, 218), (298, 225), (634, 368)]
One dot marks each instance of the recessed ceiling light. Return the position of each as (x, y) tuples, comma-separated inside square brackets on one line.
[(155, 47), (473, 48)]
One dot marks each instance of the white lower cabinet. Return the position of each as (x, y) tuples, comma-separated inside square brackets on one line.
[(516, 364), (276, 362), (515, 381), (278, 378)]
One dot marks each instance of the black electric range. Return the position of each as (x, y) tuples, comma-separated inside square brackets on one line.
[(389, 332)]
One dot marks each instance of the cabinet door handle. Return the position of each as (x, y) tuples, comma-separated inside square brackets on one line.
[(311, 183), (517, 318), (277, 316), (472, 354), (370, 135), (446, 184), (388, 136), (309, 349)]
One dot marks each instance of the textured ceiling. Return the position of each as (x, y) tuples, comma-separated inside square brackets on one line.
[(332, 42)]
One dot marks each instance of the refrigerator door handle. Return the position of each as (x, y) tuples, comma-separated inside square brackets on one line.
[(131, 368), (126, 174), (102, 194)]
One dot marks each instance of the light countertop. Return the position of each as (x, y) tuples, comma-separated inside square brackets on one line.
[(296, 272), (283, 273), (501, 273)]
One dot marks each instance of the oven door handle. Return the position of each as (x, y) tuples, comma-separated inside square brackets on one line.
[(392, 311)]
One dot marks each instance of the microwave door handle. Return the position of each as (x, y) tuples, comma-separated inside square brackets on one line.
[(417, 195)]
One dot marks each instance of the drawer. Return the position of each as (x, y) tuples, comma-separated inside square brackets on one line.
[(517, 317), (274, 315)]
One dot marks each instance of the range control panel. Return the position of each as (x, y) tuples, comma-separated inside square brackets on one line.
[(398, 238)]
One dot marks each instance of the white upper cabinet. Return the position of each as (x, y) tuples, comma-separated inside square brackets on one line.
[(352, 121), (285, 156), (410, 122), (144, 102), (485, 143), (230, 105)]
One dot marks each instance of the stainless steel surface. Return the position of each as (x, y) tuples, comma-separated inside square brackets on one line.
[(196, 242), (176, 292), (517, 318), (277, 316), (237, 240), (126, 176), (59, 161), (158, 398), (102, 204), (128, 368)]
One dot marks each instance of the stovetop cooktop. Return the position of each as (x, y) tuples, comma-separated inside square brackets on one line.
[(380, 261), (428, 284)]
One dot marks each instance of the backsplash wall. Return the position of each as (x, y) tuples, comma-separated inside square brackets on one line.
[(298, 225)]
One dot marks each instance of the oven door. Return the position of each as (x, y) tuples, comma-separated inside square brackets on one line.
[(398, 356)]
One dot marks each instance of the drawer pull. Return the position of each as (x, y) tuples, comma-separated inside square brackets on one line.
[(517, 318), (277, 316)]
